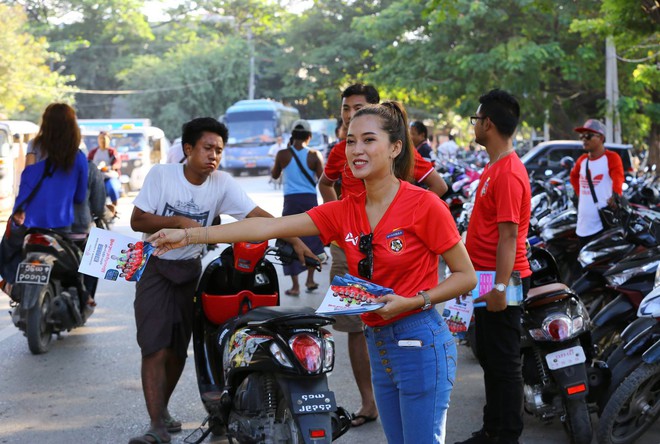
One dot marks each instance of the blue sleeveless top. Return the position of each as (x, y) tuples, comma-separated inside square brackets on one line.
[(295, 181)]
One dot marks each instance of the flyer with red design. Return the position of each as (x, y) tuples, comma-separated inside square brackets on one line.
[(112, 256), (350, 295)]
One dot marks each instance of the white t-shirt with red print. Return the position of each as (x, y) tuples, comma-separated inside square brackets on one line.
[(607, 177)]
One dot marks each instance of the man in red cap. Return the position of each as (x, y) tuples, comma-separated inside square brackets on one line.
[(600, 171)]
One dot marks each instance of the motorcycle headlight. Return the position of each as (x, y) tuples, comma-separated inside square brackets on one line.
[(588, 257), (557, 328), (618, 279)]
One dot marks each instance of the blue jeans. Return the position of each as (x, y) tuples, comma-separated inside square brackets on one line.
[(413, 383), (113, 189)]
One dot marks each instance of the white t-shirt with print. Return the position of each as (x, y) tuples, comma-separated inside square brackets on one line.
[(588, 220), (166, 192)]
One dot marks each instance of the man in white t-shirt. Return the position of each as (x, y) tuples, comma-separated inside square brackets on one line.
[(447, 150), (180, 196), (605, 178)]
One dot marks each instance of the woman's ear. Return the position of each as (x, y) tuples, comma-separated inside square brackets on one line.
[(397, 147)]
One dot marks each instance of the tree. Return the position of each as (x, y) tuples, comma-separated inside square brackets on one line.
[(200, 78), (27, 84)]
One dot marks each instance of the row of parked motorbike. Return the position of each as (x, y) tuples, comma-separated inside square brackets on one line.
[(591, 322)]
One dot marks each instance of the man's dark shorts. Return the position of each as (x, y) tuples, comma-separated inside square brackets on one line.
[(164, 305)]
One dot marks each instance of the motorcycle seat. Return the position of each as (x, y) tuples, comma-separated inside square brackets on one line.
[(546, 294), (283, 316)]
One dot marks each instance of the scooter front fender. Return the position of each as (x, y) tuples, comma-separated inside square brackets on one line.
[(617, 309), (309, 421), (652, 355)]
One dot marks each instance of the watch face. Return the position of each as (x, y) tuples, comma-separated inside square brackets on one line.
[(500, 287)]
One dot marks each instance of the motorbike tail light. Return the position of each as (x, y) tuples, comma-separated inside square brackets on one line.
[(307, 349), (278, 354), (558, 328), (329, 355), (317, 433), (40, 239), (576, 389)]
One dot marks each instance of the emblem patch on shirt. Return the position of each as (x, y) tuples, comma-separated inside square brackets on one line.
[(485, 188), (395, 240), (351, 238)]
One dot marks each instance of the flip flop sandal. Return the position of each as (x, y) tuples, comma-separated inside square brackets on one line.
[(172, 425), (365, 419), (311, 288), (149, 438), (292, 293)]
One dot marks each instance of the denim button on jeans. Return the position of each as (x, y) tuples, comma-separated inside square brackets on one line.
[(413, 387)]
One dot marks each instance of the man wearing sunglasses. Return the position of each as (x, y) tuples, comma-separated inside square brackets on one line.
[(598, 170)]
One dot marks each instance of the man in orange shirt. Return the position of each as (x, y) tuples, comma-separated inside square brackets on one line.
[(354, 98)]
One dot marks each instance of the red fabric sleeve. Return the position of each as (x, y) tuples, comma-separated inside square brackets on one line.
[(575, 174), (434, 224), (508, 197), (114, 157), (616, 171), (421, 168), (325, 217), (90, 155), (336, 161)]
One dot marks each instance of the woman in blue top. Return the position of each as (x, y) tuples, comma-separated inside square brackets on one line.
[(300, 177), (65, 168)]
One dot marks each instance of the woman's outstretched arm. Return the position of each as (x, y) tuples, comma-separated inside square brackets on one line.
[(253, 229)]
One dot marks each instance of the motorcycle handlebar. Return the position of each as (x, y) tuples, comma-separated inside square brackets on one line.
[(286, 254)]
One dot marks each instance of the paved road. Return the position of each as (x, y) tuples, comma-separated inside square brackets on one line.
[(87, 388)]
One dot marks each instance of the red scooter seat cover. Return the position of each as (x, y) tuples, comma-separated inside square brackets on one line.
[(220, 308)]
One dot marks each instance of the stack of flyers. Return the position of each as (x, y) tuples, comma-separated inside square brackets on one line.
[(112, 256), (350, 295)]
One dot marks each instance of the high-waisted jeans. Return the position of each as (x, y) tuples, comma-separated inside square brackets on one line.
[(413, 367)]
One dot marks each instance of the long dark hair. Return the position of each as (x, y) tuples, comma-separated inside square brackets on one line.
[(59, 135), (394, 121)]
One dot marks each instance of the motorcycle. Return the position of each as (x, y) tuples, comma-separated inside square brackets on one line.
[(49, 295), (632, 404), (262, 369), (561, 377)]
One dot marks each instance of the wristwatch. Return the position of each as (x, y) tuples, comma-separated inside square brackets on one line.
[(500, 287), (427, 300)]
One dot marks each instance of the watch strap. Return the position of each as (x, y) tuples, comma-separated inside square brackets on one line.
[(427, 300)]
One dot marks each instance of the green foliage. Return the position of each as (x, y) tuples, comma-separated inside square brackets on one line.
[(27, 83), (200, 78)]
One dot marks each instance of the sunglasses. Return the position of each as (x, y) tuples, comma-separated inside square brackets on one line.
[(366, 265), (587, 136), (475, 119)]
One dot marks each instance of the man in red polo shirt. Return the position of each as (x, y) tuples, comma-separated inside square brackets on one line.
[(495, 241), (354, 98)]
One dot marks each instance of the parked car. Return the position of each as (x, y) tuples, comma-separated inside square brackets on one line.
[(547, 155)]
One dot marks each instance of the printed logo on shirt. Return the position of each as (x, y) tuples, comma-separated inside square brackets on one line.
[(351, 238), (396, 241), (186, 209), (584, 183), (485, 188)]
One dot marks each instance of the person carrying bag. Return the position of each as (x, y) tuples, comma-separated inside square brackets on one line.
[(11, 245), (609, 217)]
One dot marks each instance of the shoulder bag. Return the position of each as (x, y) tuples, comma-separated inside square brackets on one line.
[(293, 153), (609, 217)]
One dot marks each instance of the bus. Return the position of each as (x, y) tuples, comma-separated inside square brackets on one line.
[(254, 126)]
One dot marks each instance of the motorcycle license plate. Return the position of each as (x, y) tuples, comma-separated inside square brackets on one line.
[(32, 273), (318, 402), (250, 163), (565, 358)]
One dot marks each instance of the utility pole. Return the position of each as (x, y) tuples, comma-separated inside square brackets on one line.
[(612, 120), (251, 48)]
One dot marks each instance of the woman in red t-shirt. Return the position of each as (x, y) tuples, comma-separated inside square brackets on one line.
[(392, 235)]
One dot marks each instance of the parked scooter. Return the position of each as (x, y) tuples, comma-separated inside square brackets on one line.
[(262, 369), (559, 371), (49, 296), (632, 405)]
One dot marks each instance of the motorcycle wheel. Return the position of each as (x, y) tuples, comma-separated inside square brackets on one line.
[(38, 331), (633, 407), (285, 416), (578, 421)]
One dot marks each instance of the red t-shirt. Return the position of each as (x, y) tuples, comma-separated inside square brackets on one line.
[(414, 230), (503, 195), (337, 168)]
